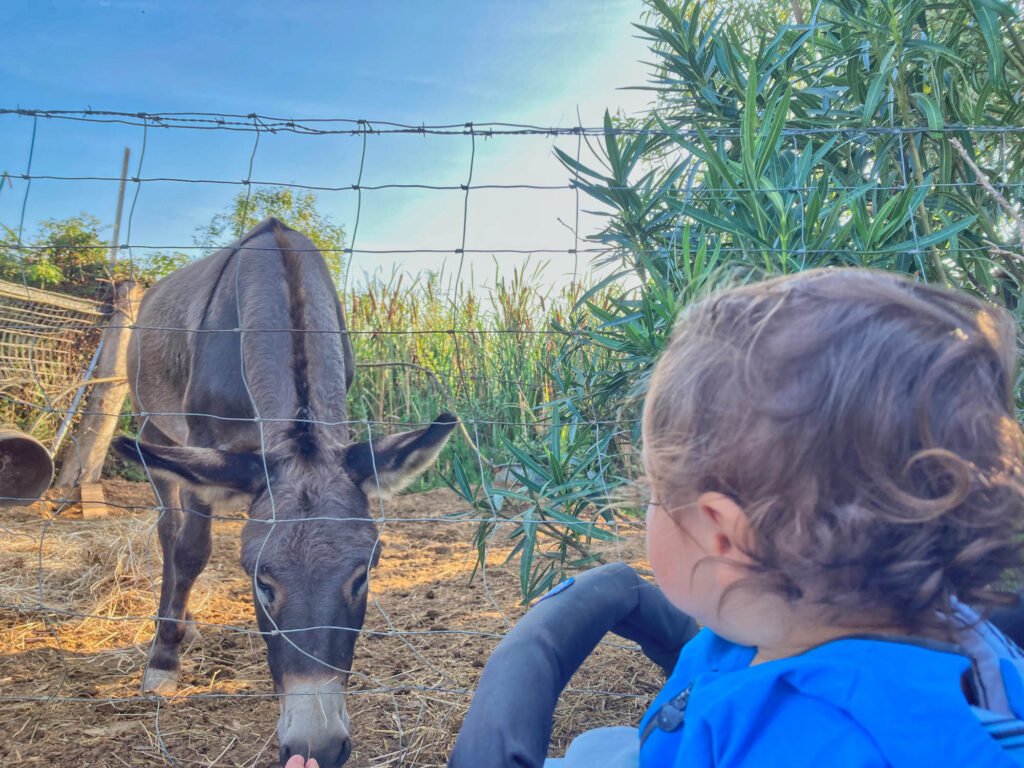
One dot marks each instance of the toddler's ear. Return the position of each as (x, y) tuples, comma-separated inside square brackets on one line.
[(725, 525)]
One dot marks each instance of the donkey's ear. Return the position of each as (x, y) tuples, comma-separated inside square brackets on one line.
[(391, 463), (210, 472)]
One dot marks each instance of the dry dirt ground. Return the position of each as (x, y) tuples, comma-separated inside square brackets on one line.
[(69, 675)]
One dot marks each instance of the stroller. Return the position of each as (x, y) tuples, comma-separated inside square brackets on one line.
[(509, 720)]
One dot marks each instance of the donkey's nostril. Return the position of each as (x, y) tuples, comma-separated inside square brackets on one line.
[(346, 751), (286, 752), (334, 755)]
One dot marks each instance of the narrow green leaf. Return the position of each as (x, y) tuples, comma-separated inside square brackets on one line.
[(919, 244), (877, 88), (933, 114), (987, 13)]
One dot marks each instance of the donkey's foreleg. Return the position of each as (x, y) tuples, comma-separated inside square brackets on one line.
[(191, 553)]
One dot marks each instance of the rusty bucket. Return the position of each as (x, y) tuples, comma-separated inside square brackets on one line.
[(26, 469)]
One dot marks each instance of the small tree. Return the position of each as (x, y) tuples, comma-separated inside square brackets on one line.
[(298, 209), (67, 255), (158, 264)]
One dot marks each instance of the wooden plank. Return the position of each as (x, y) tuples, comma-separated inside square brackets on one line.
[(24, 293), (94, 503)]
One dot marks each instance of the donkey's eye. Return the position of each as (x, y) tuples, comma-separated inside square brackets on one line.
[(359, 585), (266, 591)]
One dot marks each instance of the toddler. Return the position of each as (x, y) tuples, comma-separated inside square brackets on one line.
[(834, 465)]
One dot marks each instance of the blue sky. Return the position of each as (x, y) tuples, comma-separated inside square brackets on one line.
[(444, 61)]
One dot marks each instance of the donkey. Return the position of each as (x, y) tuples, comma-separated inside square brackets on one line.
[(239, 365)]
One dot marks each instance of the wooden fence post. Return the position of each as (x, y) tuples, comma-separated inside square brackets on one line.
[(83, 457)]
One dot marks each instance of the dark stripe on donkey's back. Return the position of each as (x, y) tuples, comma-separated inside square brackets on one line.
[(302, 431)]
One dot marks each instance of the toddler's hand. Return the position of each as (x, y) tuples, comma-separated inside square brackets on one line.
[(298, 761)]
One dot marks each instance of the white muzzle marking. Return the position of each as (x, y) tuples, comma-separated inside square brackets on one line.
[(313, 712)]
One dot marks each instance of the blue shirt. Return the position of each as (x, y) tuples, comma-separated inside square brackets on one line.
[(860, 702)]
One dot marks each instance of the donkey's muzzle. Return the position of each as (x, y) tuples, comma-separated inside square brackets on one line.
[(314, 721)]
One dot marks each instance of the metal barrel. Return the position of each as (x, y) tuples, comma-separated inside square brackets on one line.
[(26, 469)]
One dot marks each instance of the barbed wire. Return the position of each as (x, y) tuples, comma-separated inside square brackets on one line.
[(721, 193), (254, 122)]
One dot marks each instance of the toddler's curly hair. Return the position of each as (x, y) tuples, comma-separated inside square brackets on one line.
[(865, 423)]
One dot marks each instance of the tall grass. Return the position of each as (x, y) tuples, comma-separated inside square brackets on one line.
[(487, 356)]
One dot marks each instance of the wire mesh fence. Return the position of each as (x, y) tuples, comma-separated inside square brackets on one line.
[(47, 341), (78, 601)]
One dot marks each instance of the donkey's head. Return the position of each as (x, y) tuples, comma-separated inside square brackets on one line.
[(308, 547)]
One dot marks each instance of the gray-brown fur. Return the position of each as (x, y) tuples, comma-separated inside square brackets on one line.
[(254, 336)]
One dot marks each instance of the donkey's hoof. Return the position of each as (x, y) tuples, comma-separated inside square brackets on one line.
[(163, 682)]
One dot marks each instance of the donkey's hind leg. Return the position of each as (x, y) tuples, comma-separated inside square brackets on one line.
[(161, 675)]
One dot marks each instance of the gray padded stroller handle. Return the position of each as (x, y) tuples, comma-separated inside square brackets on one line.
[(509, 720)]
